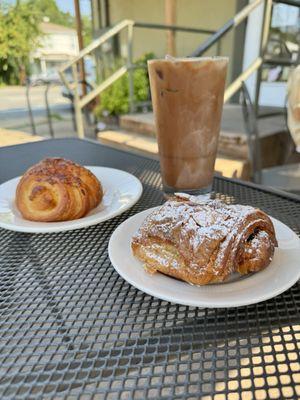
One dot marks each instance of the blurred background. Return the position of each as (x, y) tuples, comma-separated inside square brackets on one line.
[(78, 68)]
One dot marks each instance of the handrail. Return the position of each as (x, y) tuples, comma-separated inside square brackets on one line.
[(173, 28), (237, 84), (243, 14), (123, 24), (215, 37), (28, 86), (295, 3), (104, 85), (98, 42), (280, 61), (80, 103), (233, 22)]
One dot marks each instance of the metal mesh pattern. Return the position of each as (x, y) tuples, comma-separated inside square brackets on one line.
[(70, 327)]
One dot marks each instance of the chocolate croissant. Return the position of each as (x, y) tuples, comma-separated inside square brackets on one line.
[(56, 189), (204, 242)]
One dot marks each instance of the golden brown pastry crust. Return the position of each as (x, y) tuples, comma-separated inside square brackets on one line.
[(204, 242), (56, 189)]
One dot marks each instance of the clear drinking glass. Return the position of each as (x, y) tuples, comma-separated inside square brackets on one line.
[(187, 97)]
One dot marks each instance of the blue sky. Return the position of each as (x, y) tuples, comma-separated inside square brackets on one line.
[(68, 5)]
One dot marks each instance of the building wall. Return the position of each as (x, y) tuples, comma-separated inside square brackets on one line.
[(55, 49), (62, 44), (58, 44), (192, 13)]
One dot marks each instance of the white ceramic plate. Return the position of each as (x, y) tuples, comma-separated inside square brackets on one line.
[(121, 191), (279, 276)]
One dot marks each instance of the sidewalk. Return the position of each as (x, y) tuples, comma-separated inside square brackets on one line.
[(14, 97), (10, 137)]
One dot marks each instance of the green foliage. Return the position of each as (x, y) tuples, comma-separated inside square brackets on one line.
[(19, 34), (49, 8), (115, 99), (86, 30)]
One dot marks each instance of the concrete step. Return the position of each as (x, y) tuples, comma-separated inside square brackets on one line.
[(233, 141), (129, 141), (232, 123), (230, 143), (140, 123)]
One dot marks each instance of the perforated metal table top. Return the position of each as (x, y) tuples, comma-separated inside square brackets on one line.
[(71, 327)]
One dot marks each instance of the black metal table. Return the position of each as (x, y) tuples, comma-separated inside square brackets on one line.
[(70, 327)]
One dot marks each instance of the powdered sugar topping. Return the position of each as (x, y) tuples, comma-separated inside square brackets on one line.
[(202, 229)]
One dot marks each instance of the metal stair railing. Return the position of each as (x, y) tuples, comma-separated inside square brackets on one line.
[(81, 101), (48, 84), (215, 39), (250, 110), (237, 84), (257, 64)]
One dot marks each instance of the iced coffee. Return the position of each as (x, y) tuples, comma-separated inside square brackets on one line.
[(187, 97)]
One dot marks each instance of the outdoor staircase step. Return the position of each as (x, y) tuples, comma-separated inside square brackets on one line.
[(129, 141), (232, 124), (233, 141), (141, 123), (231, 144)]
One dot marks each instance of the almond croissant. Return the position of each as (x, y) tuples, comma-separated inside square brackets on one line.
[(204, 242), (56, 189)]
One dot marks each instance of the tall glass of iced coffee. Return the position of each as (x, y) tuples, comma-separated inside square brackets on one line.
[(187, 97)]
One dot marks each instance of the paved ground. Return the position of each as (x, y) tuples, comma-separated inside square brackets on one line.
[(19, 120), (14, 111), (10, 137), (14, 97)]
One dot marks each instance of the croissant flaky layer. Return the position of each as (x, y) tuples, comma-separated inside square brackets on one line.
[(204, 242), (56, 189)]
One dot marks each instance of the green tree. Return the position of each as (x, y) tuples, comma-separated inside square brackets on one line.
[(19, 35), (49, 8), (86, 29)]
